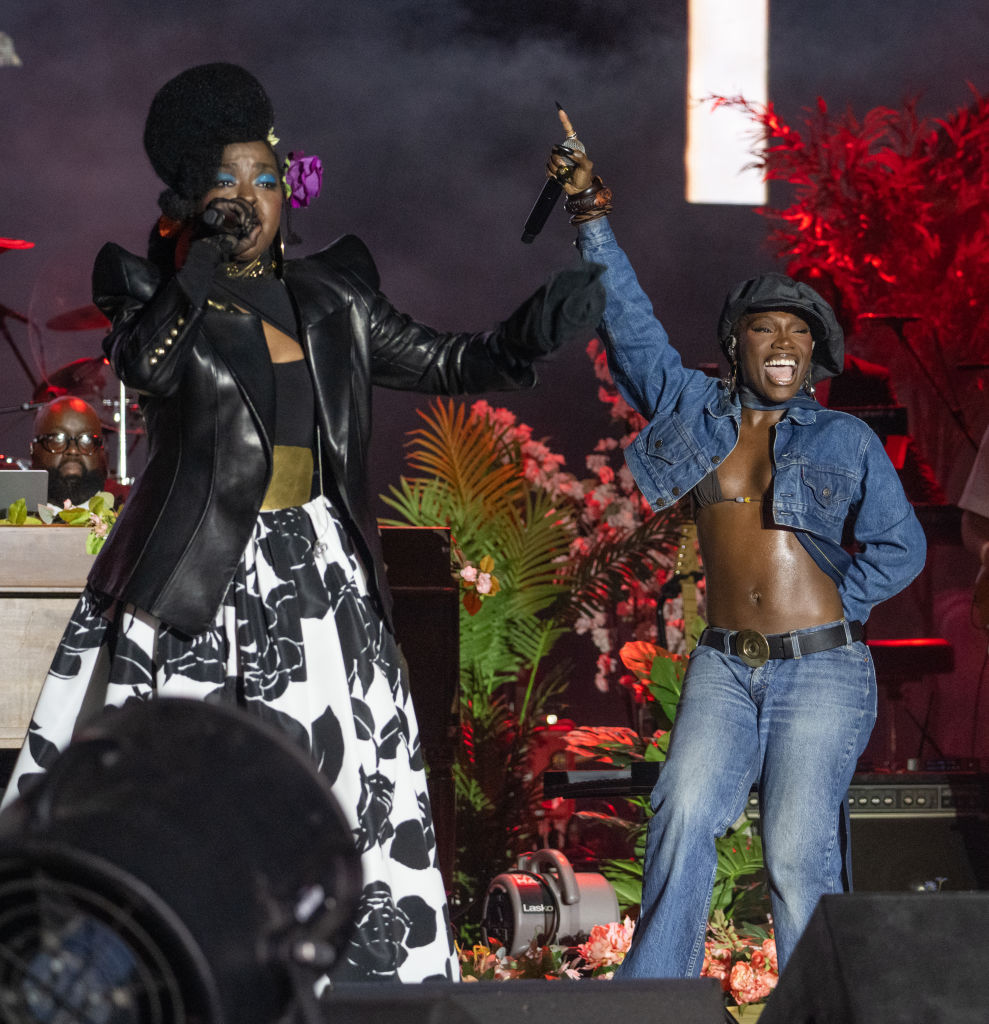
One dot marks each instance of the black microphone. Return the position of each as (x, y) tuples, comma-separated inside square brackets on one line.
[(228, 222), (550, 192), (213, 218)]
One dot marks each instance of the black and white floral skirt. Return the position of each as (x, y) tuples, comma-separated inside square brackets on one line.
[(298, 643)]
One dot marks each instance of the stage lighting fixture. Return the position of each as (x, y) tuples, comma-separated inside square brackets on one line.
[(180, 863)]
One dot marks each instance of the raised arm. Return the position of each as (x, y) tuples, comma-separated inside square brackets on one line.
[(647, 370), (409, 355)]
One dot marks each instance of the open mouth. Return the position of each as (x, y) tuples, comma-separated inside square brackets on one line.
[(782, 370)]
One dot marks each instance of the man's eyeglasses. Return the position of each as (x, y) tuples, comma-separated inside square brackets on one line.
[(57, 442)]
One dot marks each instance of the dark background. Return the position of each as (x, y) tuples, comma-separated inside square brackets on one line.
[(433, 118)]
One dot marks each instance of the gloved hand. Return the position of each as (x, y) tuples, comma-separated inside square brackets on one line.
[(573, 305), (567, 308), (226, 224), (222, 230)]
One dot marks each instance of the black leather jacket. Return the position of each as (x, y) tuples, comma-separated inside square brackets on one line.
[(204, 377)]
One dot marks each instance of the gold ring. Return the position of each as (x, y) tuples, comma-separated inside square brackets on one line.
[(752, 647)]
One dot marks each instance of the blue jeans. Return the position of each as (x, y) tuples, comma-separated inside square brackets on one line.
[(795, 727)]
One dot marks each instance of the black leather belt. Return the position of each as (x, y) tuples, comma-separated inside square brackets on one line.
[(756, 649)]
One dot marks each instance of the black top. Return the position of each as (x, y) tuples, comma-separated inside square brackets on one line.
[(294, 411), (295, 419)]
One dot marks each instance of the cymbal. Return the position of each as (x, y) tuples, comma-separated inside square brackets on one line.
[(85, 378), (86, 318), (14, 243), (91, 380)]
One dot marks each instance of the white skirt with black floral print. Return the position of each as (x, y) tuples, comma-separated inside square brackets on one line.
[(299, 643)]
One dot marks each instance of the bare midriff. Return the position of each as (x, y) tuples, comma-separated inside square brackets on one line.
[(758, 576)]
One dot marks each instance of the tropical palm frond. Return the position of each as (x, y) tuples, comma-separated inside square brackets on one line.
[(543, 690), (739, 856), (419, 502), (531, 639), (468, 453), (479, 685), (597, 579), (469, 791), (490, 719), (534, 542), (487, 634)]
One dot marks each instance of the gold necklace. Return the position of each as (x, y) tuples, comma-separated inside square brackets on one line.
[(261, 264)]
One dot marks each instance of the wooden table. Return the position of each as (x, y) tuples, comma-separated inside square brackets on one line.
[(42, 572)]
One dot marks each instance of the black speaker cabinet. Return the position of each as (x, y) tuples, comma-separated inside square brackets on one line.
[(426, 614), (887, 958), (695, 1001), (895, 854)]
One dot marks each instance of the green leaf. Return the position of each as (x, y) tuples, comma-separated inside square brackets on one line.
[(17, 512), (75, 516), (626, 879), (657, 747), (666, 682), (99, 504), (739, 857)]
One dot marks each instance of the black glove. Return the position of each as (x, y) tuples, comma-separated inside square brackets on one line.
[(567, 308), (573, 306), (218, 232), (225, 222)]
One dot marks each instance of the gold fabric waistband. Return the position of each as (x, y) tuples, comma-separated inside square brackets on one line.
[(291, 477)]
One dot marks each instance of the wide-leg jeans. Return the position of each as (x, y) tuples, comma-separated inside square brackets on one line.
[(796, 728)]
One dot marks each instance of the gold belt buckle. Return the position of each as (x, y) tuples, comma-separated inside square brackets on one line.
[(752, 647)]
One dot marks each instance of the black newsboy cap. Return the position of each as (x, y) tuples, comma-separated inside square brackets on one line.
[(770, 292)]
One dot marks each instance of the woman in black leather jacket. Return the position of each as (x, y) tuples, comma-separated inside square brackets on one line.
[(245, 566)]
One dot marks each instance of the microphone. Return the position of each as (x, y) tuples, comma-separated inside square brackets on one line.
[(229, 221), (552, 189), (213, 218)]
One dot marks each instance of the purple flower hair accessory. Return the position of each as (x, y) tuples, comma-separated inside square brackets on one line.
[(303, 178)]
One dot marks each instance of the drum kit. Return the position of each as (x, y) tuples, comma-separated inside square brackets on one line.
[(89, 378)]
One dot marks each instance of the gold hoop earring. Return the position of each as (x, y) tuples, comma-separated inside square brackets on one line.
[(278, 253)]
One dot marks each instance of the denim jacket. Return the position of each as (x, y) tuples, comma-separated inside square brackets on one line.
[(832, 480)]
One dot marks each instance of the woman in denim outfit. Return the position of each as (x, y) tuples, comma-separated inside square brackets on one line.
[(780, 692)]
